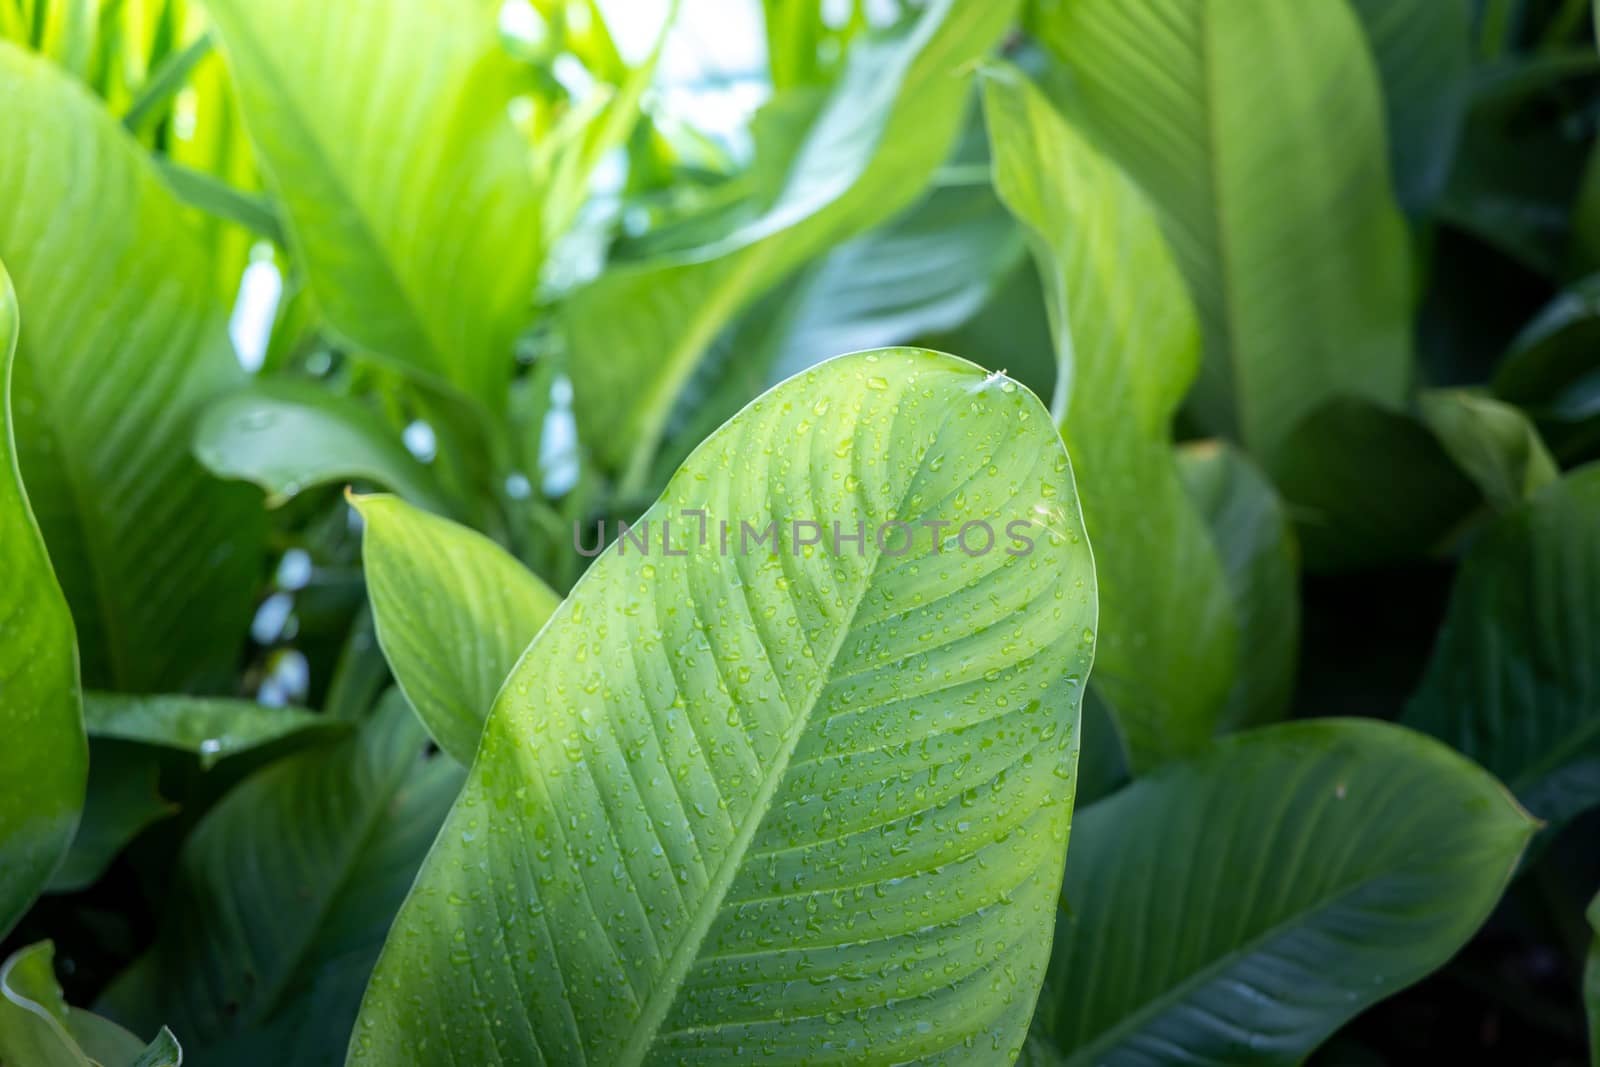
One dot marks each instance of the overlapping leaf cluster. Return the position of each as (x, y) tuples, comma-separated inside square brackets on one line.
[(335, 335)]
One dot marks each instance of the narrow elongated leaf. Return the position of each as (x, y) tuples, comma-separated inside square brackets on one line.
[(289, 436), (804, 802), (122, 343), (45, 762), (211, 729), (1128, 345), (420, 234), (1261, 560), (1423, 49), (1257, 130), (638, 333), (39, 1029), (453, 612), (1237, 909), (1515, 677), (269, 969)]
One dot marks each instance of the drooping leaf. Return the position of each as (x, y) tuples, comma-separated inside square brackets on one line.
[(1491, 442), (788, 801), (453, 611), (1237, 909), (420, 234), (1261, 560), (1128, 345), (123, 341), (269, 968), (1423, 49), (210, 728), (638, 333), (45, 761), (1515, 676), (1257, 130), (288, 436), (39, 1029)]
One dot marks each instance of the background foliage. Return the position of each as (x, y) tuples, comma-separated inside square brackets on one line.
[(1311, 287)]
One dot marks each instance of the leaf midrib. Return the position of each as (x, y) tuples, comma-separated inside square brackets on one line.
[(665, 992)]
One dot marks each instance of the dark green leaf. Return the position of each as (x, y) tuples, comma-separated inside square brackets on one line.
[(1515, 677), (1237, 909)]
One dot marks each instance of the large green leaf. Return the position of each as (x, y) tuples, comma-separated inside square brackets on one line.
[(45, 761), (1237, 909), (1258, 131), (638, 333), (288, 436), (408, 194), (1515, 676), (1252, 533), (1128, 345), (453, 610), (268, 968), (39, 1029), (122, 342), (1423, 49), (784, 802)]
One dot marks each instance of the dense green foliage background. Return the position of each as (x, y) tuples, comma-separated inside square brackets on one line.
[(325, 325)]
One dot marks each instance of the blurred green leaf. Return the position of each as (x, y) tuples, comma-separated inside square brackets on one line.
[(1423, 49), (1128, 345), (209, 728), (123, 799), (45, 761), (1241, 907), (420, 234), (638, 333), (1258, 132), (268, 969), (123, 343), (289, 436), (706, 763), (1491, 442), (1552, 371), (454, 612), (1515, 677), (1251, 531)]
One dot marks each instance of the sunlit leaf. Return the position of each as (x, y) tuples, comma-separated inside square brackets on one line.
[(794, 802), (454, 612), (123, 340), (1128, 345), (45, 761)]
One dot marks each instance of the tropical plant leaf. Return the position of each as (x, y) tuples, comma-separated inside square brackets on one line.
[(1357, 857), (1492, 443), (209, 728), (1261, 561), (638, 333), (123, 341), (1423, 49), (1128, 347), (1515, 676), (39, 1029), (122, 800), (288, 436), (453, 611), (420, 235), (45, 761), (269, 969), (1552, 371), (1258, 132), (786, 801)]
